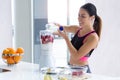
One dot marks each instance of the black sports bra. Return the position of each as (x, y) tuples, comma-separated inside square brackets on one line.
[(77, 41)]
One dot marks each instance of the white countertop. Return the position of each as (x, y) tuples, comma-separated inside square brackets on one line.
[(29, 71)]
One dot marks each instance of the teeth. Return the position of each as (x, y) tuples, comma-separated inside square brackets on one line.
[(47, 77)]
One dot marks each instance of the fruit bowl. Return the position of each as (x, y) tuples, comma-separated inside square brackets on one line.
[(11, 56), (78, 70)]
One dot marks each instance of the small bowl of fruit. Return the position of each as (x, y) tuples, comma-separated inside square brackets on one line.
[(12, 56)]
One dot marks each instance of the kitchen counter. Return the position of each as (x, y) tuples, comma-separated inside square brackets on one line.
[(30, 71)]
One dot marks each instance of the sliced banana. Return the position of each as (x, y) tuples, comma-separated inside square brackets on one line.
[(47, 77), (63, 78)]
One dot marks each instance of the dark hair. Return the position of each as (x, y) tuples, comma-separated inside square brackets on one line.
[(91, 9)]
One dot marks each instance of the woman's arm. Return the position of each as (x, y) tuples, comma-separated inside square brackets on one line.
[(69, 28), (89, 44)]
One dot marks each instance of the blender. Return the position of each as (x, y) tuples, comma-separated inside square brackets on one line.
[(46, 49)]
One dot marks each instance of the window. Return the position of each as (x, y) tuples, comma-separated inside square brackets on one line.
[(57, 11)]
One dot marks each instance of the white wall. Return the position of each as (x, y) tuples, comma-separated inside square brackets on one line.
[(106, 58), (40, 9), (5, 25), (23, 27), (40, 19)]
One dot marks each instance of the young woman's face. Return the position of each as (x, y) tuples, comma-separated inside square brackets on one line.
[(84, 18)]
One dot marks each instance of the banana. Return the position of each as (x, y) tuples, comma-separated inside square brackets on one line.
[(47, 77), (63, 78)]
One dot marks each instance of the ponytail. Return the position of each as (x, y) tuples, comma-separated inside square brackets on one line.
[(91, 9), (98, 25)]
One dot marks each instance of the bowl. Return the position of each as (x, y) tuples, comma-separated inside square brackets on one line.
[(11, 56), (11, 59), (78, 70)]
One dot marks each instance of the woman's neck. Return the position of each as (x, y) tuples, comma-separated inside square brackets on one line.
[(87, 28)]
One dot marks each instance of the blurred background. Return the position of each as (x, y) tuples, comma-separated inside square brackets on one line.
[(21, 21)]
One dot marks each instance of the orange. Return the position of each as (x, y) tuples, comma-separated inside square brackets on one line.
[(11, 50), (4, 57), (5, 51), (17, 58), (10, 60), (20, 50)]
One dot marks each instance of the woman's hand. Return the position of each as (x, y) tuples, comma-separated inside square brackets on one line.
[(62, 33), (57, 32)]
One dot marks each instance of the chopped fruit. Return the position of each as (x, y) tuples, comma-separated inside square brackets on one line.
[(63, 78), (76, 73), (48, 70), (47, 77), (46, 39), (20, 50)]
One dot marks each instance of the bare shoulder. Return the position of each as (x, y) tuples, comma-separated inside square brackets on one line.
[(92, 37), (92, 40)]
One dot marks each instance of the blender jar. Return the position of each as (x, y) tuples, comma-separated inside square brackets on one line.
[(46, 49)]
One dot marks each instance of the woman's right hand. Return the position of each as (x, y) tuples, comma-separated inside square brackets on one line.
[(57, 25)]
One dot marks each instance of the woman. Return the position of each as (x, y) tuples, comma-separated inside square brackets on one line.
[(87, 35)]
